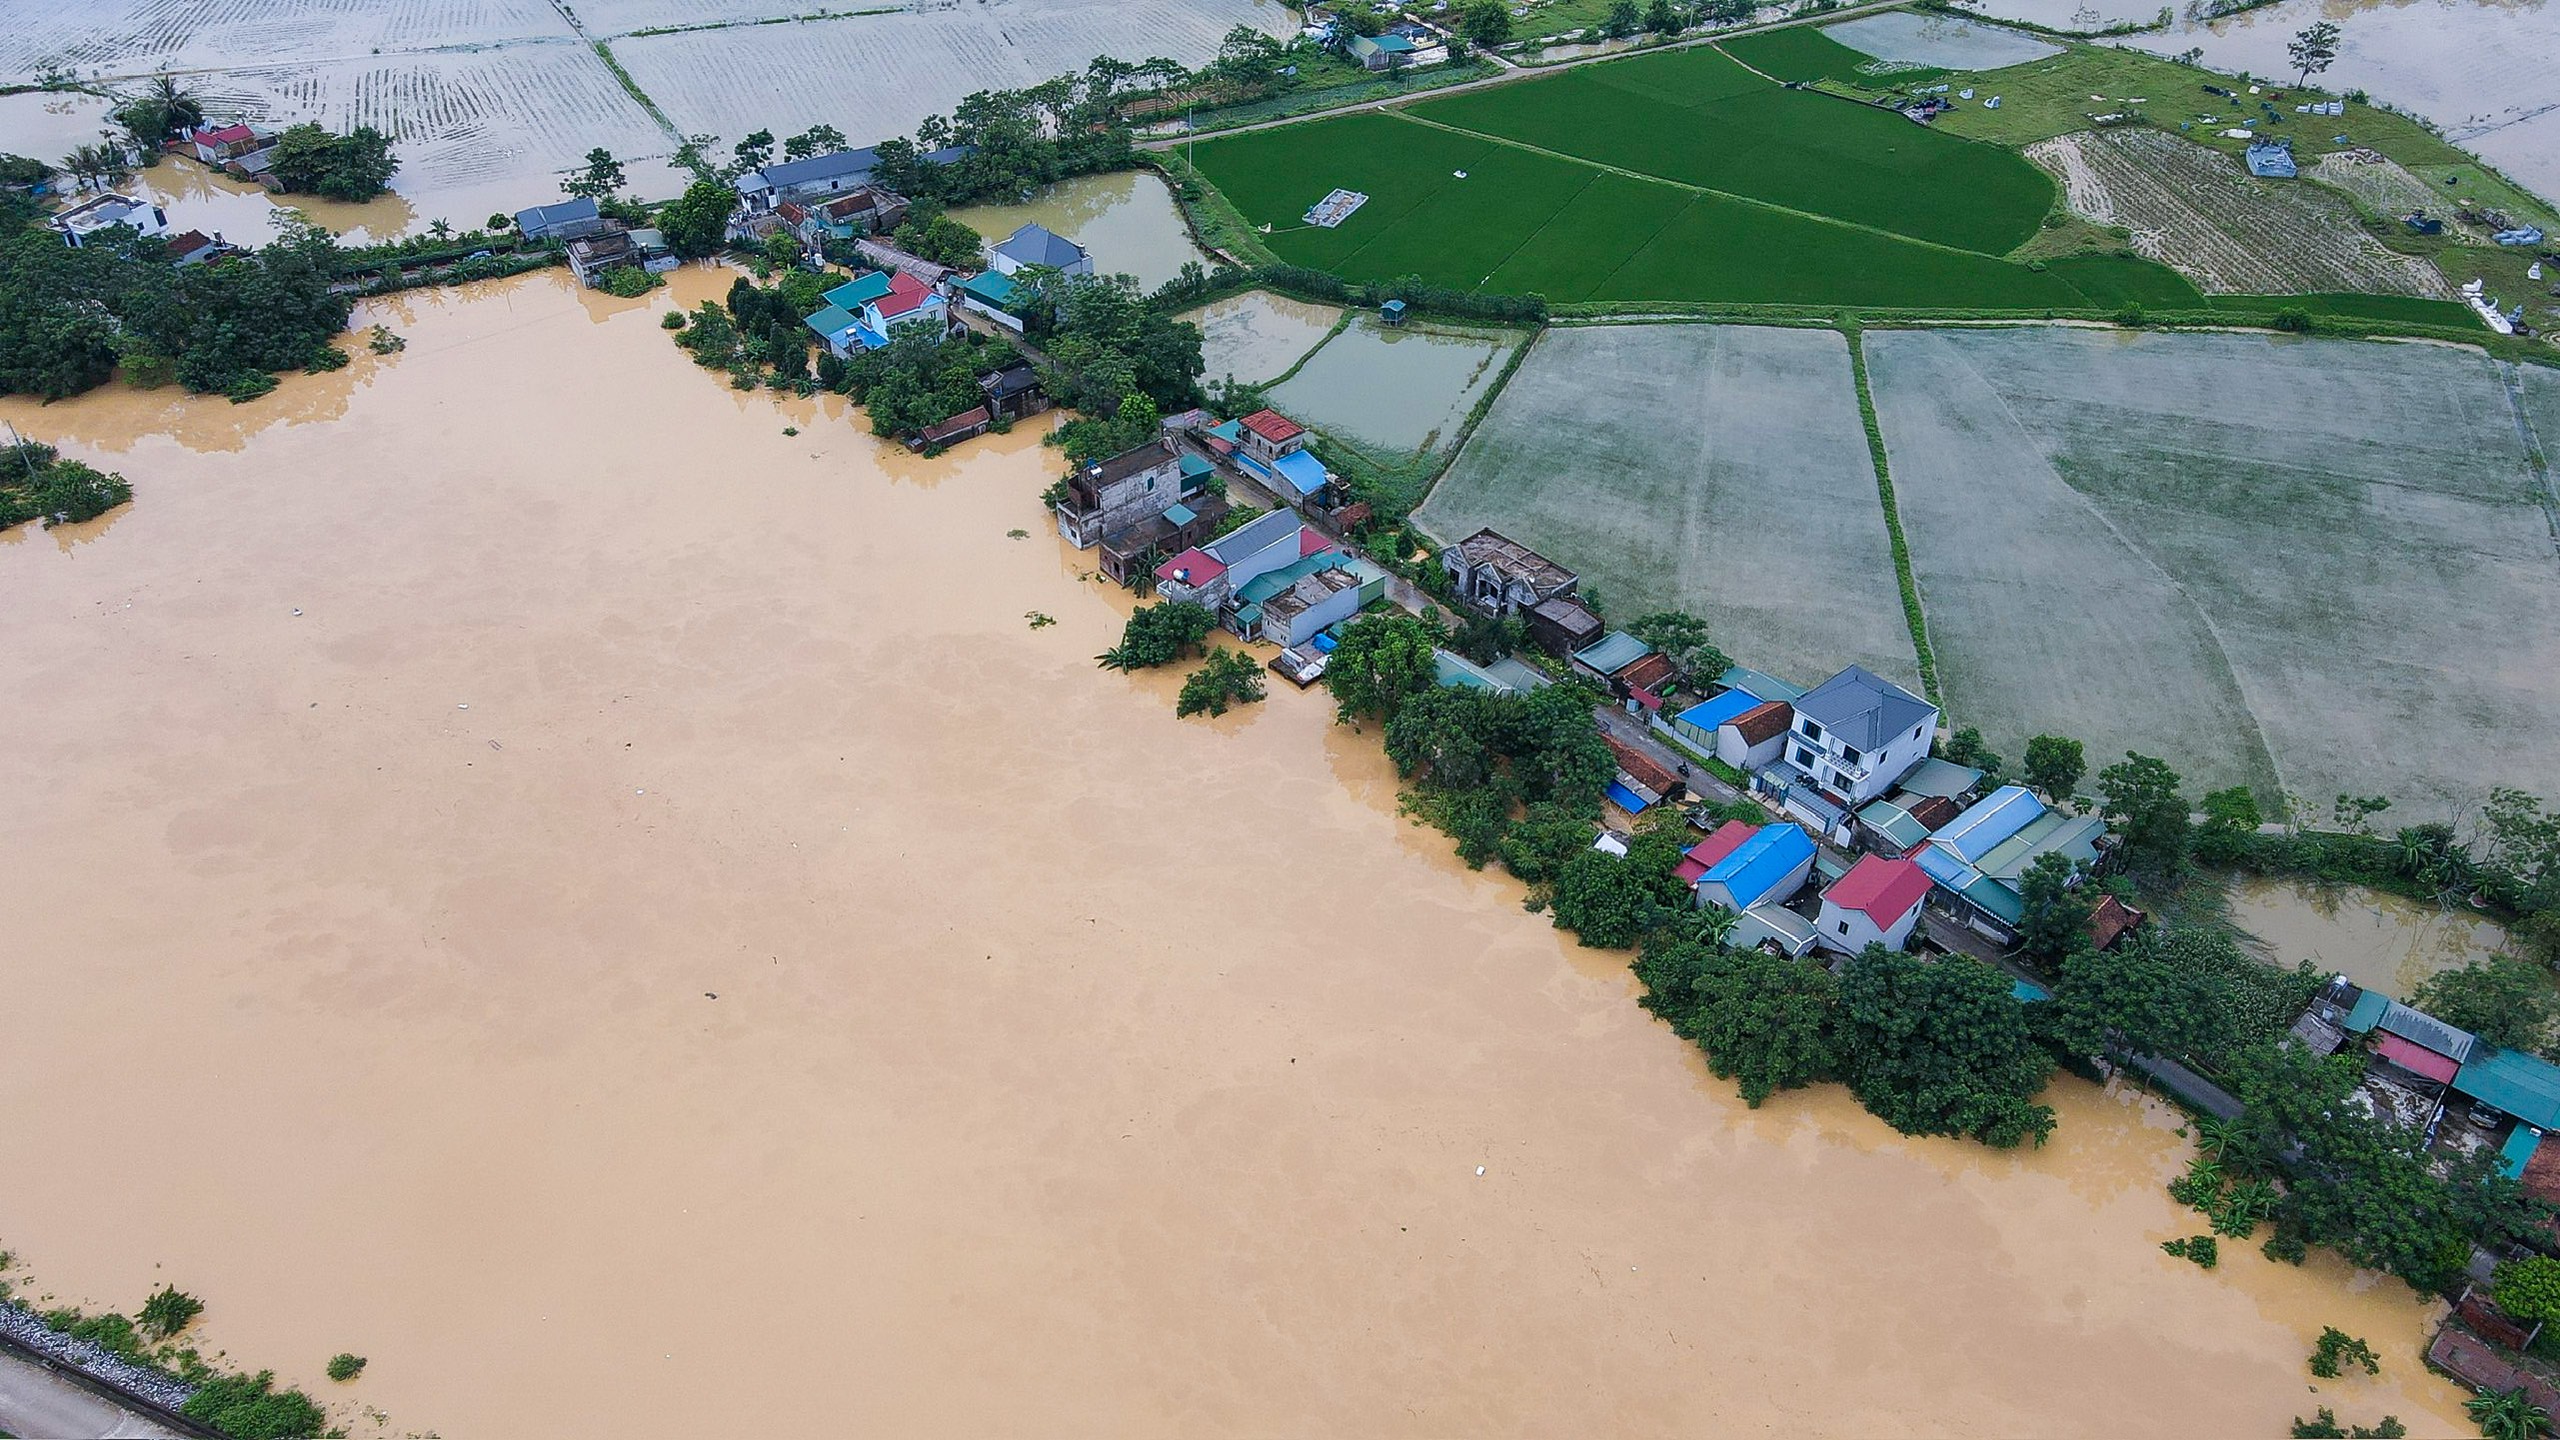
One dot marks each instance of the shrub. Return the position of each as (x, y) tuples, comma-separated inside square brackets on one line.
[(169, 1311), (248, 386), (1231, 677), (248, 1407), (627, 282), (2204, 1250), (2338, 1349), (2528, 1289), (672, 320), (345, 1366)]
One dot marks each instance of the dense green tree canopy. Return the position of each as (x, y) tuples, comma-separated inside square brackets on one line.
[(1382, 662), (2054, 766), (1942, 1048), (2143, 805), (1763, 1020), (2505, 1001), (355, 166)]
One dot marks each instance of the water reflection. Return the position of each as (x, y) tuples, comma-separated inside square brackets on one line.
[(1127, 221), (2377, 940), (1405, 388), (1255, 337)]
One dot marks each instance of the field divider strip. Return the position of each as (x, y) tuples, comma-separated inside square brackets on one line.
[(1694, 189), (1912, 613), (1542, 229)]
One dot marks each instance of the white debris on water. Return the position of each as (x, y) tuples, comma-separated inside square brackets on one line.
[(22, 1326)]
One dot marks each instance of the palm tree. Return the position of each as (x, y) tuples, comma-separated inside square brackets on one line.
[(99, 165), (2215, 1135), (2507, 1415), (182, 110), (439, 229)]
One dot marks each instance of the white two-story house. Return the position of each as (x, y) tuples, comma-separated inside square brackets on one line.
[(1857, 732)]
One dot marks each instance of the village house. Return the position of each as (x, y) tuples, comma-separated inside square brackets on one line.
[(1039, 245), (1113, 495), (219, 144), (1272, 448), (1408, 45), (863, 312), (1876, 903), (1626, 668), (995, 296), (864, 211), (566, 220), (1290, 606), (1767, 867), (1751, 740), (1212, 572), (1641, 783), (193, 247), (967, 425), (2111, 921), (1501, 577), (1980, 859), (99, 213), (1014, 393), (1857, 732), (1561, 625), (615, 247), (1929, 797)]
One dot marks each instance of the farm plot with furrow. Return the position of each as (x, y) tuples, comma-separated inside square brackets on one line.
[(136, 37), (2199, 212)]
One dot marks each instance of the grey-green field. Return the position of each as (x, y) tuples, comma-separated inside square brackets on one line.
[(1721, 470), (2310, 566)]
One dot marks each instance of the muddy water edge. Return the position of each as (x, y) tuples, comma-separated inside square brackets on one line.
[(615, 913)]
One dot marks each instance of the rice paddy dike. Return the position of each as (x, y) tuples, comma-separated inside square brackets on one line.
[(1761, 174)]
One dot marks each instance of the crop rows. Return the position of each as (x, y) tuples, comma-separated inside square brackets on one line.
[(2197, 210), (134, 37)]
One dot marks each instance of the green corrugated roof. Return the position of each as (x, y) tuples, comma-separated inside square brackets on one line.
[(831, 322), (1194, 465), (2368, 1011), (2050, 833), (859, 291), (1613, 652), (1180, 514), (1272, 582), (2522, 1085), (2518, 1151), (1895, 822), (997, 290)]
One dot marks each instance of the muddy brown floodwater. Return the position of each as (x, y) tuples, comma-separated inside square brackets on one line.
[(393, 787)]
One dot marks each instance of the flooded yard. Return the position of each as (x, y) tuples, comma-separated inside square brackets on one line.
[(1403, 389), (2379, 941), (1127, 221), (1255, 337), (577, 855)]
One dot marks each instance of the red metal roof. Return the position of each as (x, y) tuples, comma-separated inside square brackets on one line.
[(1273, 426), (1882, 890), (2415, 1058), (1702, 857), (1199, 565), (906, 292), (1311, 541), (224, 134)]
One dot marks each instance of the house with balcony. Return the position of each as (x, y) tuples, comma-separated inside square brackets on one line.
[(1112, 495), (1500, 576), (1272, 448), (1211, 573), (1856, 733)]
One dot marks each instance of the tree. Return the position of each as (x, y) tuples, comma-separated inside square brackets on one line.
[(1682, 637), (2503, 1000), (937, 237), (2507, 1415), (1624, 19), (2313, 48), (1447, 735), (816, 140), (2055, 918), (1487, 22), (1555, 750), (1604, 900), (2326, 1427), (98, 165), (2137, 999), (1159, 635), (2143, 806), (2054, 766), (695, 222), (1942, 1048), (2528, 1289), (1543, 842), (1382, 662), (1662, 18), (1231, 677), (2337, 1349), (2231, 821), (1762, 1020), (355, 166), (1966, 747), (600, 181), (163, 109), (753, 153)]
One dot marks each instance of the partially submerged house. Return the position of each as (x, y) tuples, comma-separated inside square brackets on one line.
[(614, 247), (1111, 495), (1039, 245), (100, 213), (1500, 576), (220, 144), (1210, 573), (1014, 393), (966, 425), (1876, 903), (995, 296), (566, 220), (1293, 604), (864, 312)]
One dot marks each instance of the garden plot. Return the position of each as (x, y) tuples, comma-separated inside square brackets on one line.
[(480, 130), (1255, 337), (2384, 186), (136, 37), (1939, 42), (2200, 212), (875, 76), (1717, 469), (2314, 565), (1403, 391)]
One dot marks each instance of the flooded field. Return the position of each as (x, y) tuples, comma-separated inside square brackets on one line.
[(576, 856), (2379, 941), (1128, 221), (1406, 389), (1257, 336)]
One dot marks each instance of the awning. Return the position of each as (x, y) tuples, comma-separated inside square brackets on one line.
[(2415, 1058)]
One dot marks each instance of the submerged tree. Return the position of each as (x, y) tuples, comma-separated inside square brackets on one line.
[(2314, 48)]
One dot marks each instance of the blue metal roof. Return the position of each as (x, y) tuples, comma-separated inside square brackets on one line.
[(1945, 868), (2028, 991), (1303, 471), (1754, 869), (1708, 714), (1988, 821), (2518, 1150), (1613, 652), (2523, 1085), (1625, 799)]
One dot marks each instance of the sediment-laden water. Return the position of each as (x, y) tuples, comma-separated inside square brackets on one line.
[(1127, 222), (527, 872)]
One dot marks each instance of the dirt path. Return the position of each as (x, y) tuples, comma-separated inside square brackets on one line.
[(1516, 71)]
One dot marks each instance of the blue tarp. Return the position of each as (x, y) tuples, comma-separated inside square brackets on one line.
[(2029, 991), (2518, 1150), (1326, 643), (1625, 799)]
